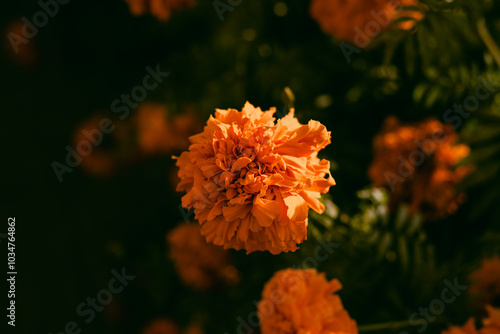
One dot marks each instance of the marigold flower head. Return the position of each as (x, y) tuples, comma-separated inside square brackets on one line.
[(198, 263), (298, 301), (251, 181), (358, 21), (418, 163), (161, 326), (485, 282), (162, 9)]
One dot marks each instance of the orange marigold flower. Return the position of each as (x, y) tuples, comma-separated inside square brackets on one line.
[(157, 134), (485, 282), (198, 263), (359, 21), (161, 326), (251, 182), (297, 301), (418, 163), (162, 9)]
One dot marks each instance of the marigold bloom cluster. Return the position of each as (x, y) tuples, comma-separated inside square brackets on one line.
[(485, 282), (303, 302), (161, 9), (358, 21), (419, 164), (491, 324), (251, 181), (199, 264)]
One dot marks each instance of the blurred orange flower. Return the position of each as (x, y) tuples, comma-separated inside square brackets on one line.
[(100, 152), (485, 283), (418, 163), (21, 49), (251, 182), (358, 21), (161, 326), (153, 131), (198, 263), (303, 302), (159, 135), (491, 324), (162, 9)]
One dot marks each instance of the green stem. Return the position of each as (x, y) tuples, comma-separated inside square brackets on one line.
[(384, 325), (485, 35)]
